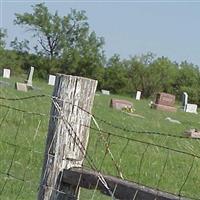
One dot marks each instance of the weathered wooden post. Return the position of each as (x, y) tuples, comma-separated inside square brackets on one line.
[(67, 135)]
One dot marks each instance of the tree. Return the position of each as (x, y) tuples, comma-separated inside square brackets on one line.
[(67, 41), (20, 47), (52, 31), (137, 72), (162, 75), (3, 34), (115, 75)]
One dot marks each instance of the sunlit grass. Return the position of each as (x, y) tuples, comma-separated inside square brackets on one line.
[(137, 162)]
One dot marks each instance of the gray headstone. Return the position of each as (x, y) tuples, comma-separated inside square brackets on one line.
[(6, 73), (21, 87), (185, 100), (30, 77)]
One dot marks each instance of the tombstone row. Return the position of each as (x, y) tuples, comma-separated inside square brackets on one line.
[(51, 80), (164, 101)]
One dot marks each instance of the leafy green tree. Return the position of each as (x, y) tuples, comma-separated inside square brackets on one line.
[(67, 41), (137, 72), (115, 75), (188, 80), (20, 47), (53, 32), (162, 75), (3, 34)]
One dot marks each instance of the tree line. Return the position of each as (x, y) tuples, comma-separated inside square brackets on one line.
[(65, 44)]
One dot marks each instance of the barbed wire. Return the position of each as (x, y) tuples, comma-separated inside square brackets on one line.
[(145, 132), (106, 140)]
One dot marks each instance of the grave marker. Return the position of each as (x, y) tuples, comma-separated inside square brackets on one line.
[(185, 100), (30, 77), (165, 102), (52, 80), (106, 92), (119, 104), (6, 73), (21, 87), (191, 108), (138, 95)]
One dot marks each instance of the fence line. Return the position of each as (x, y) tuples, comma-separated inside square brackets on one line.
[(87, 156), (95, 117)]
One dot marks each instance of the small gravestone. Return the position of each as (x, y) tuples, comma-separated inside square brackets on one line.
[(6, 73), (105, 92), (21, 87), (191, 108), (165, 102), (119, 104), (193, 133), (185, 100), (30, 77), (52, 80), (138, 95)]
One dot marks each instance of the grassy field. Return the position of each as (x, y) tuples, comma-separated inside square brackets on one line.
[(22, 139)]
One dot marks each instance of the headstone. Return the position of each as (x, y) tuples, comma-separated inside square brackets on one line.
[(185, 100), (119, 104), (138, 95), (165, 99), (6, 73), (52, 80), (191, 108), (193, 133), (165, 102), (21, 87), (106, 92), (30, 77)]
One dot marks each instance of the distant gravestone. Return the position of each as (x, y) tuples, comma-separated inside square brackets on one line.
[(165, 99), (52, 80), (165, 102), (6, 73), (21, 87), (30, 77), (191, 108), (119, 104), (105, 92), (185, 100), (138, 95), (193, 133)]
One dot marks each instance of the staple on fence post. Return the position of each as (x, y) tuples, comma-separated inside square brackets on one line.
[(67, 137)]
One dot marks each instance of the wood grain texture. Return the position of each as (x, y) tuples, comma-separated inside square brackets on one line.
[(67, 137), (124, 190)]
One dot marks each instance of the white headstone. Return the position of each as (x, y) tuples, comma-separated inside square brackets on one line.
[(106, 92), (52, 80), (138, 95), (6, 73), (30, 77), (191, 108), (185, 100)]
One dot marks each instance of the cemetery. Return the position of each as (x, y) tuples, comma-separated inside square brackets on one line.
[(122, 111), (76, 123)]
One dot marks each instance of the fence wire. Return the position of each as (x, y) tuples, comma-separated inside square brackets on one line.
[(130, 157)]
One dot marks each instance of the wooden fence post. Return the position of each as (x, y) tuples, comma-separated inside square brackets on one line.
[(68, 134)]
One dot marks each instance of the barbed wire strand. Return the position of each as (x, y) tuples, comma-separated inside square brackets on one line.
[(129, 139), (82, 148)]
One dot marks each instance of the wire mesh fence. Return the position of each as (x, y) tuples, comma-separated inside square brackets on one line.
[(163, 162)]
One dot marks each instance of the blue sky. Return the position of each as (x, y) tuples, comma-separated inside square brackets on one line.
[(166, 28)]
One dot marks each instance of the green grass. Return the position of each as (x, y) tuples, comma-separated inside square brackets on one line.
[(138, 162)]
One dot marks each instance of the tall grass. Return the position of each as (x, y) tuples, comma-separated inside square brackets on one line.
[(146, 164)]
